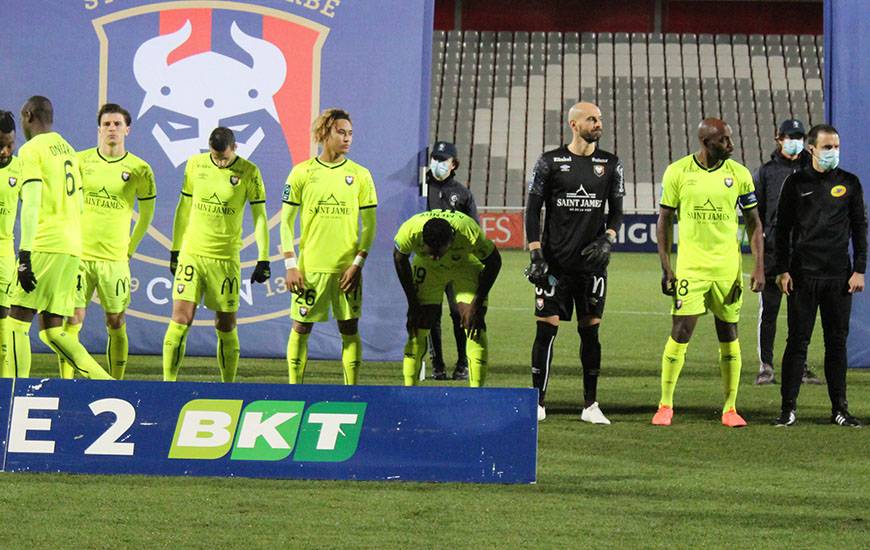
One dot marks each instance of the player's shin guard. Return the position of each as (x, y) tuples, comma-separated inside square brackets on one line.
[(351, 357), (19, 353), (5, 336), (542, 357), (590, 358), (297, 356), (117, 349), (478, 355), (673, 359), (729, 365), (65, 369), (174, 342), (73, 353), (415, 347), (228, 354)]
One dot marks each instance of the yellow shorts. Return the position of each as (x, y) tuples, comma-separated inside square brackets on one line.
[(8, 279), (321, 293), (56, 277), (111, 280), (697, 296), (215, 279), (431, 277)]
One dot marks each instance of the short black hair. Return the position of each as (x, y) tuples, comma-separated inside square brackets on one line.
[(221, 138), (437, 232), (7, 122), (814, 132), (113, 108), (40, 108)]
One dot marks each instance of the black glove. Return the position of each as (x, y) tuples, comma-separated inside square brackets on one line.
[(173, 261), (262, 272), (536, 273), (26, 278), (597, 253)]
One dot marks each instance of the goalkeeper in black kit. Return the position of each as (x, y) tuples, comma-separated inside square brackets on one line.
[(569, 260)]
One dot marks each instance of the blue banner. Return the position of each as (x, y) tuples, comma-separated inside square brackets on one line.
[(266, 430), (847, 79), (265, 69)]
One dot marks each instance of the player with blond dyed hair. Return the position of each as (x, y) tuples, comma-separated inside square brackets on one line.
[(333, 194)]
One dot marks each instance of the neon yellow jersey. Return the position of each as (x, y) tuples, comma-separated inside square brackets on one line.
[(469, 239), (49, 159), (329, 197), (110, 187), (218, 205), (706, 203), (10, 189)]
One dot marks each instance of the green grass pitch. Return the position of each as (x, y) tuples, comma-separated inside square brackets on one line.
[(695, 484)]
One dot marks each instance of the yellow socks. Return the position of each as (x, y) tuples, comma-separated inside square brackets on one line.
[(415, 347), (673, 359), (173, 350), (117, 349), (73, 352), (478, 353), (19, 354), (297, 356), (729, 365), (228, 354), (351, 357), (66, 370)]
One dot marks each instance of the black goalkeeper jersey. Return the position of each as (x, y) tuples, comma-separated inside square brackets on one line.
[(575, 190)]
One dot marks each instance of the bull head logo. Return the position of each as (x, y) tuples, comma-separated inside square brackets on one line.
[(206, 90)]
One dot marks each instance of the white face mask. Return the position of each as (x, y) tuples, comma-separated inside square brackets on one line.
[(792, 146), (440, 169)]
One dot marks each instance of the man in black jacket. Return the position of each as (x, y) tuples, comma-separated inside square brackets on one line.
[(821, 209), (444, 192), (788, 158)]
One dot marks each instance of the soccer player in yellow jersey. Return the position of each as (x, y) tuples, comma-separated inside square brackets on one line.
[(448, 247), (703, 191), (333, 193), (50, 247), (206, 243), (10, 173), (112, 180)]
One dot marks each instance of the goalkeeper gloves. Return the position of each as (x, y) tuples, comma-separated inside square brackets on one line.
[(597, 253), (262, 272), (26, 278), (536, 273), (173, 262)]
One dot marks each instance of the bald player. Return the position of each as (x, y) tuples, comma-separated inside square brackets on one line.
[(702, 191), (51, 244), (569, 260)]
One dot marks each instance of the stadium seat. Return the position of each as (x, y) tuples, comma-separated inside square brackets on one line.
[(502, 98)]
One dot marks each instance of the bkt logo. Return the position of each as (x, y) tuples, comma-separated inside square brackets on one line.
[(268, 430)]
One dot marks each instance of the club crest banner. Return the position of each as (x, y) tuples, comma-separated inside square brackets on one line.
[(264, 69)]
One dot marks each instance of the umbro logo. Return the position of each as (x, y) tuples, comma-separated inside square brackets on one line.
[(565, 167)]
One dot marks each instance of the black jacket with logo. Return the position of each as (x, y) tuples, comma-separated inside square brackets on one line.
[(768, 184), (818, 214), (574, 190), (450, 195)]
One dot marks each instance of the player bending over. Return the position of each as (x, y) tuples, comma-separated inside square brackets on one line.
[(448, 247)]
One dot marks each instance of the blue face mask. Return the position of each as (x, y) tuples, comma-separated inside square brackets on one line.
[(440, 169), (792, 146), (829, 159)]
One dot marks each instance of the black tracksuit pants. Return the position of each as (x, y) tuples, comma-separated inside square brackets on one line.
[(831, 298), (771, 297)]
